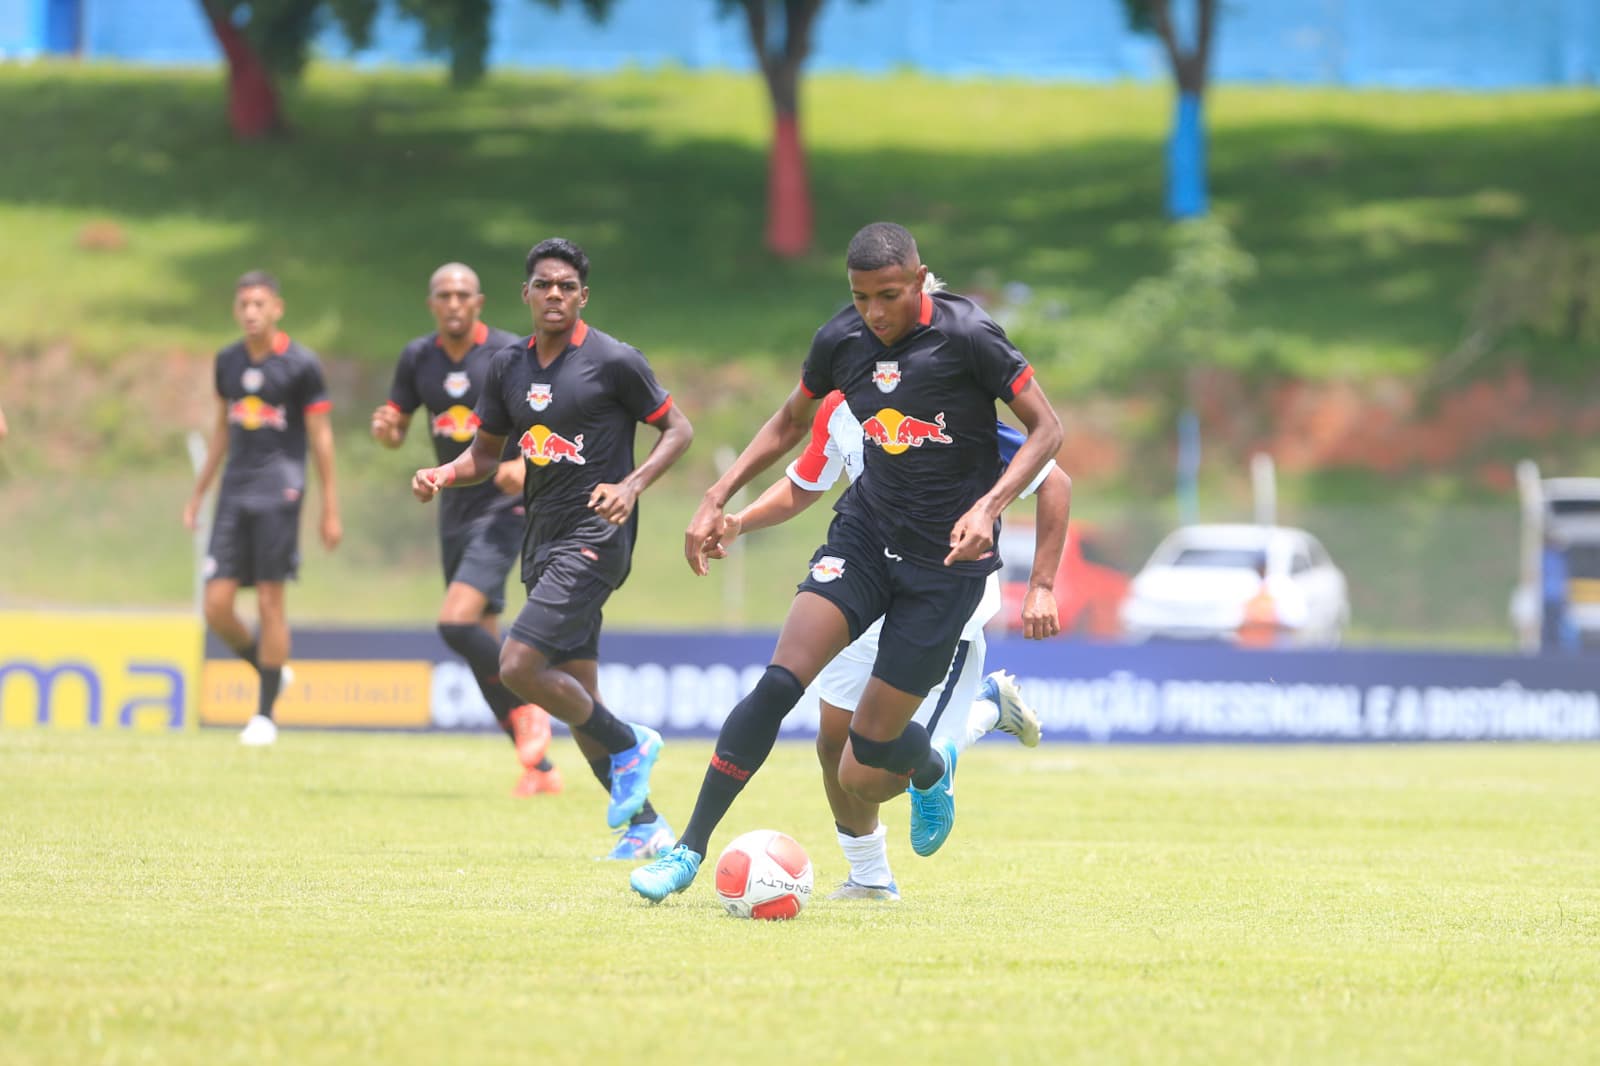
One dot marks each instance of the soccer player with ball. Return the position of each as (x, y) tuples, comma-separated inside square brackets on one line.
[(963, 706), (913, 542), (571, 398)]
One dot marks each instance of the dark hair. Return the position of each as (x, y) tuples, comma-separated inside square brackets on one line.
[(562, 249), (879, 245), (257, 279)]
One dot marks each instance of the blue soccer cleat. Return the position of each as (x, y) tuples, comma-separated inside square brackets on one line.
[(644, 841), (672, 872), (933, 810), (1016, 717), (630, 776)]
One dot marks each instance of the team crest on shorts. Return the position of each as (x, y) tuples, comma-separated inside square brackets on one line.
[(456, 384), (539, 396), (251, 379), (887, 376), (826, 569)]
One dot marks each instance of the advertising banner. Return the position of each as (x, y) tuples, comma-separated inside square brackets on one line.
[(685, 684), (79, 671)]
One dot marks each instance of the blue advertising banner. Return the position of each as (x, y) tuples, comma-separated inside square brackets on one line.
[(685, 684)]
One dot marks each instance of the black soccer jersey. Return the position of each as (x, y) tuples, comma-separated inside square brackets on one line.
[(573, 421), (267, 407), (427, 377), (926, 408)]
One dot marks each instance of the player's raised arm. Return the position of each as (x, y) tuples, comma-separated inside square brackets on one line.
[(973, 532), (480, 461), (775, 439)]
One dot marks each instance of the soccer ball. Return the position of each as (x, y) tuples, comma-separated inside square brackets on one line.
[(764, 874)]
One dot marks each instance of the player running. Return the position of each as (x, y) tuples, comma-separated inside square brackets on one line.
[(480, 528), (965, 705), (571, 397), (271, 400), (913, 542)]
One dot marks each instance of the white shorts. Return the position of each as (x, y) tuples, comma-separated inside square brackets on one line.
[(943, 713)]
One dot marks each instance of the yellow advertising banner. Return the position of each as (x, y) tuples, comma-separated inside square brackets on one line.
[(371, 694), (65, 670)]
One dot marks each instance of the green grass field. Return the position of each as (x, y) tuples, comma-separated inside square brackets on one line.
[(379, 898)]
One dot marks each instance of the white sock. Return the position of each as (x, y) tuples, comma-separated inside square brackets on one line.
[(869, 857), (981, 719)]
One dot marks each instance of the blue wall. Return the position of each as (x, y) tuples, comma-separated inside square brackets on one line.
[(1440, 43)]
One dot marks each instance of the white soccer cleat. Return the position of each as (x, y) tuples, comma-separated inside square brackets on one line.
[(259, 732), (1016, 717)]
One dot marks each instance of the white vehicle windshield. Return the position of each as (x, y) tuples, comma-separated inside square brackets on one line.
[(1223, 558)]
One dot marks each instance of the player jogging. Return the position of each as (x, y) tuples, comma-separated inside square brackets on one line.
[(912, 543), (966, 704), (271, 401), (480, 528), (571, 397)]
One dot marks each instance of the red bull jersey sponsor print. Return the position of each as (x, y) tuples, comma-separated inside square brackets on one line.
[(926, 411), (266, 403), (426, 377), (573, 420)]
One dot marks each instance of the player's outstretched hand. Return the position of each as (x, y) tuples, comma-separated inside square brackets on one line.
[(1039, 616), (429, 480), (731, 528), (385, 425), (703, 534), (614, 503), (972, 537)]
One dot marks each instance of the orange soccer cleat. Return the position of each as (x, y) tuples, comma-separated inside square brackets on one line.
[(530, 729), (535, 781)]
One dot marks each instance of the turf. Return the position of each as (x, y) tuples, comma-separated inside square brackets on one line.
[(381, 898)]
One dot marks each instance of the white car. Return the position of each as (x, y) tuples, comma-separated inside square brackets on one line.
[(1199, 579)]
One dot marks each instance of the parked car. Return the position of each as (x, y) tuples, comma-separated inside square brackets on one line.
[(1199, 579), (1089, 586)]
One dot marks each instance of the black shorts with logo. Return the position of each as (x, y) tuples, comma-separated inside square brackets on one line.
[(568, 583), (479, 552), (924, 609), (254, 542)]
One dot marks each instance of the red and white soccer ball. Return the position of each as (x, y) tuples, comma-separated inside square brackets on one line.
[(764, 874)]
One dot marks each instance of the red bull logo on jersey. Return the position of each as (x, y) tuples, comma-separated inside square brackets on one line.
[(542, 446), (539, 396), (826, 569), (886, 376), (895, 432), (253, 413), (457, 423)]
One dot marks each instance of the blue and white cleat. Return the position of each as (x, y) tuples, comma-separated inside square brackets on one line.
[(644, 841), (933, 810), (672, 872), (630, 776), (1016, 717)]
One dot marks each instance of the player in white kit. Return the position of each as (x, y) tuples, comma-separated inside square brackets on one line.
[(966, 704)]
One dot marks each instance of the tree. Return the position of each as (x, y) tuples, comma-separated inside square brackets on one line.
[(1186, 149)]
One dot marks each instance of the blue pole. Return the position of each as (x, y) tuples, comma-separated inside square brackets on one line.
[(1186, 160)]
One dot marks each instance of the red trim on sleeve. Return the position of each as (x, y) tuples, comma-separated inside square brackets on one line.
[(814, 460), (925, 313), (480, 333), (809, 394), (1021, 381), (387, 403), (280, 343), (319, 407), (666, 405)]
